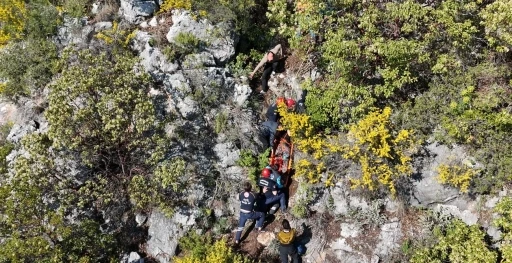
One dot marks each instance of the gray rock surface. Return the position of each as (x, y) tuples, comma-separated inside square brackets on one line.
[(135, 11), (74, 31), (227, 154), (135, 258), (242, 93), (428, 190), (467, 216), (220, 40), (152, 59), (165, 232), (389, 238)]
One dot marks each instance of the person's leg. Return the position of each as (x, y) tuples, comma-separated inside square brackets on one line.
[(295, 257), (273, 199), (283, 254), (264, 78), (282, 202), (241, 226), (261, 219), (259, 216)]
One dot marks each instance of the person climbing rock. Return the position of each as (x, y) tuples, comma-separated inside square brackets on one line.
[(286, 238), (270, 190), (272, 112), (268, 130), (269, 62), (247, 199), (290, 104)]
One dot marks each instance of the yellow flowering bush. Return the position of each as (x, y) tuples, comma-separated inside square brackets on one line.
[(169, 5), (382, 153), (456, 176), (12, 17), (217, 252)]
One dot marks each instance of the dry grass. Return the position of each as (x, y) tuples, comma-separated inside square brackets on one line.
[(107, 11)]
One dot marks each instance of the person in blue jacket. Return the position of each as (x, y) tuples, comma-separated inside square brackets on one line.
[(247, 199)]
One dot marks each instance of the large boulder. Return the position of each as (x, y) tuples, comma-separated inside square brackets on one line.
[(220, 40), (428, 190), (135, 11), (164, 233)]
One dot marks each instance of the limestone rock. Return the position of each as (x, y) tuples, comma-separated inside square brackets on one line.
[(152, 59), (389, 238), (227, 154), (340, 200), (203, 59), (188, 108), (153, 22), (242, 93), (265, 238), (165, 232), (135, 258), (466, 216), (220, 40), (134, 11), (140, 219), (428, 190), (8, 112)]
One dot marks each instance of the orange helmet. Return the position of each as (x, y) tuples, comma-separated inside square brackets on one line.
[(280, 100), (266, 173), (290, 103)]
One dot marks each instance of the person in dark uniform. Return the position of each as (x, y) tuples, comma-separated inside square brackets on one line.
[(271, 191), (247, 199)]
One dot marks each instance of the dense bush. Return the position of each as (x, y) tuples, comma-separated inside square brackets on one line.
[(457, 243), (27, 67)]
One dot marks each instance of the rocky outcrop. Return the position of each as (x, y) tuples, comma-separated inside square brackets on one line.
[(152, 59), (220, 40), (164, 233), (135, 11), (427, 189)]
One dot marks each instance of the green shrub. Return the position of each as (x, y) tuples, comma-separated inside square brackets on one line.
[(253, 163), (202, 248), (303, 198), (27, 67), (75, 8), (42, 20), (457, 243)]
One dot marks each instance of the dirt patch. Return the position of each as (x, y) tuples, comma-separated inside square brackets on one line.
[(333, 228), (159, 33), (410, 225)]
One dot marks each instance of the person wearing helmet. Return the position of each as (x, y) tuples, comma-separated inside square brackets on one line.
[(268, 130), (272, 112), (275, 176), (247, 199), (270, 190), (290, 104)]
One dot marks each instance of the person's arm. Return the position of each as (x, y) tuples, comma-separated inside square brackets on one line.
[(277, 50), (262, 62), (274, 192)]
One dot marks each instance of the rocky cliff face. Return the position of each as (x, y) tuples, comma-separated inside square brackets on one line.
[(199, 88)]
